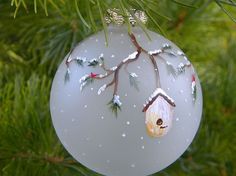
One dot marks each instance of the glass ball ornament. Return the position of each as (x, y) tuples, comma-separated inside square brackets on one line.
[(130, 108)]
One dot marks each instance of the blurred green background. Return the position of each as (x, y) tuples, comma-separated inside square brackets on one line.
[(33, 44)]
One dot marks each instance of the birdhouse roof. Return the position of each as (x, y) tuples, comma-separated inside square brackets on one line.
[(153, 97)]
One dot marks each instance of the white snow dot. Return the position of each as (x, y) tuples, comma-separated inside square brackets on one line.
[(85, 106), (177, 119), (128, 123), (102, 117), (112, 56), (72, 119), (189, 114), (186, 100), (132, 165), (141, 137), (96, 40), (85, 51), (62, 111), (134, 105), (100, 145), (181, 91), (173, 80), (91, 88), (126, 95), (123, 135), (168, 88), (122, 35), (143, 147), (138, 67)]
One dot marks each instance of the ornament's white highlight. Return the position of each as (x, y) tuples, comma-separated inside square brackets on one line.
[(81, 115)]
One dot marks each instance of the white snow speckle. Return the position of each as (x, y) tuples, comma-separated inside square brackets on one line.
[(143, 147), (100, 145), (123, 135), (85, 106), (122, 35), (131, 56), (72, 119), (112, 56), (181, 91), (96, 40), (127, 123), (180, 53), (138, 67), (141, 137), (116, 100), (85, 51), (177, 119), (91, 88), (132, 165), (83, 78), (101, 55), (113, 68), (134, 106), (102, 117), (61, 110), (154, 52), (126, 95), (134, 75), (101, 89)]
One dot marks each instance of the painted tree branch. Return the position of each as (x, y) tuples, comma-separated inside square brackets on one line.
[(115, 103)]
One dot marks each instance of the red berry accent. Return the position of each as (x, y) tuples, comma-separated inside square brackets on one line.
[(93, 75), (193, 78)]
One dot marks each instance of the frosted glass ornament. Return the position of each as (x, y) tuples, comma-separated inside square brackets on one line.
[(120, 110)]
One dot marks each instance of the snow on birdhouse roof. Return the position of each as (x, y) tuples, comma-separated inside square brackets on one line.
[(153, 97)]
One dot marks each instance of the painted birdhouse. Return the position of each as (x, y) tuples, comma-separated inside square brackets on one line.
[(159, 113)]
